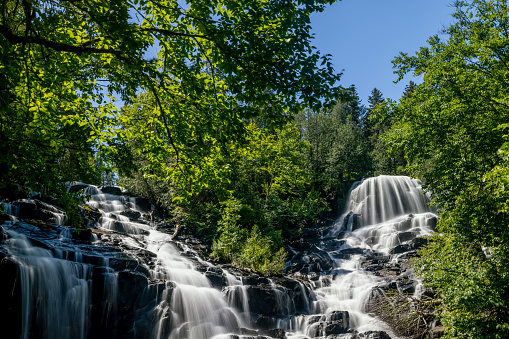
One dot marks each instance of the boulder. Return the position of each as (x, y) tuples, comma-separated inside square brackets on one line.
[(76, 187), (111, 190), (374, 335)]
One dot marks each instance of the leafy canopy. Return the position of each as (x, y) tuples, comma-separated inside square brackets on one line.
[(216, 63), (453, 131)]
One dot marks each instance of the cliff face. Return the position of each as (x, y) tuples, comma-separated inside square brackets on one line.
[(126, 277)]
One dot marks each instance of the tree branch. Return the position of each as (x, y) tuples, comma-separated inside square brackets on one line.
[(57, 46)]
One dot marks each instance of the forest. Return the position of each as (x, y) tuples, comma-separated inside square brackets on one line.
[(240, 131)]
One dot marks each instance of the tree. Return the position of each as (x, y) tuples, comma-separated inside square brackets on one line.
[(217, 63), (370, 129), (453, 132), (338, 152)]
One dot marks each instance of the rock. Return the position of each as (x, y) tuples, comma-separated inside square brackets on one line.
[(217, 280), (12, 192), (264, 322), (76, 187), (122, 264), (142, 204), (10, 296), (26, 208), (268, 301), (131, 214), (129, 286), (82, 235), (111, 190), (417, 243), (406, 236), (277, 333), (335, 328), (400, 249), (374, 335)]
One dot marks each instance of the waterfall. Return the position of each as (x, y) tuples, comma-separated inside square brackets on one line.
[(55, 292), (381, 213), (83, 290), (190, 307)]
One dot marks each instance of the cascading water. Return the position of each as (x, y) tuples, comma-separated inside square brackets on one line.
[(189, 307), (381, 213), (55, 292), (86, 290)]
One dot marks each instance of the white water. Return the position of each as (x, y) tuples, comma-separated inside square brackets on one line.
[(190, 307), (55, 292), (381, 213)]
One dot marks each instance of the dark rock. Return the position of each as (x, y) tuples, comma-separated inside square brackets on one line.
[(277, 333), (10, 296), (267, 301), (406, 286), (314, 318), (12, 192), (82, 235), (400, 249), (26, 208), (143, 204), (129, 286), (406, 236), (352, 251), (111, 190), (217, 280), (374, 335), (432, 223), (122, 264), (76, 187), (316, 329), (320, 260), (417, 243), (263, 322), (335, 328), (133, 215)]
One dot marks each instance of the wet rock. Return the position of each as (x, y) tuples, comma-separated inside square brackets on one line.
[(264, 322), (374, 335), (143, 204), (400, 249), (335, 328), (10, 296), (82, 235), (122, 264), (320, 260), (76, 187), (131, 214), (26, 208), (406, 236), (217, 280), (111, 190), (277, 333), (268, 300), (417, 243)]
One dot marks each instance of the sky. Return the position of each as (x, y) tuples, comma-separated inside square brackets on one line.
[(363, 36)]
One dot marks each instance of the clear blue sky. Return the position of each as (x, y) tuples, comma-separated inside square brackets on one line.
[(363, 36)]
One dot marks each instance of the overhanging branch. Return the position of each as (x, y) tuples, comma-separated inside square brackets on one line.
[(57, 46)]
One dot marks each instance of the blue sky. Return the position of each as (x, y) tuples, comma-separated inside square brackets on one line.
[(363, 36)]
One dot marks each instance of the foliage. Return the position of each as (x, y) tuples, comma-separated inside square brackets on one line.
[(218, 62), (259, 254), (451, 130), (70, 203), (338, 153)]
